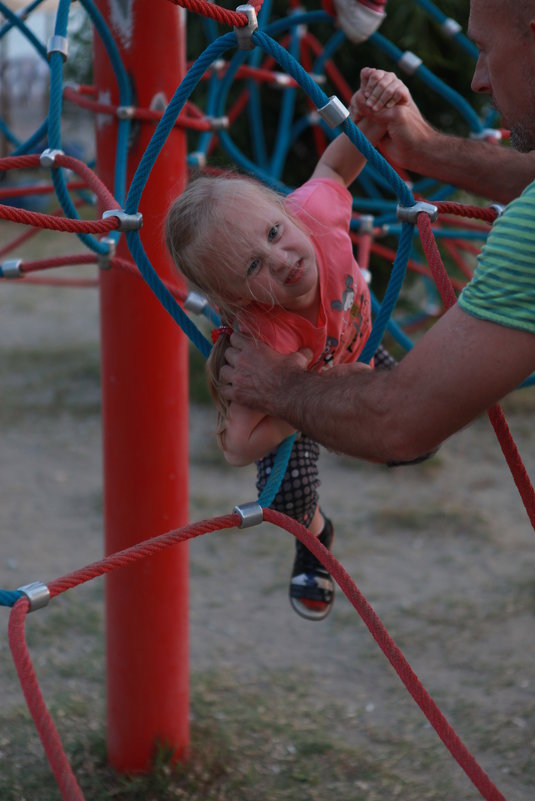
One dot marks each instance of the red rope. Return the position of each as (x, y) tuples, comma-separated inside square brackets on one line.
[(37, 189), (223, 15), (31, 232), (195, 122), (69, 787), (140, 551), (58, 261), (74, 283), (77, 166), (43, 720), (474, 212), (434, 260), (64, 224), (19, 162), (19, 240), (514, 460), (497, 418), (394, 655)]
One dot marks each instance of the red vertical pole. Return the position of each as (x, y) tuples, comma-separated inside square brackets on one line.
[(144, 414)]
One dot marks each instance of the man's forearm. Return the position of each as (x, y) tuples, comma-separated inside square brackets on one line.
[(348, 411), (457, 370), (491, 170)]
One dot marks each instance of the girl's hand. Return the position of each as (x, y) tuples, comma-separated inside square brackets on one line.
[(378, 90)]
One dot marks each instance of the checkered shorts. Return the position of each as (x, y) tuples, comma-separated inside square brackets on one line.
[(297, 495)]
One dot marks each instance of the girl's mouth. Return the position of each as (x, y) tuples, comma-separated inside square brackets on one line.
[(295, 273)]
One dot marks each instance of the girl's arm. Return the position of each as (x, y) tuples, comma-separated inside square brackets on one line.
[(249, 435), (341, 160)]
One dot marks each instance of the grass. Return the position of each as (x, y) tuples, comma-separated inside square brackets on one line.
[(54, 380), (264, 740), (49, 382), (434, 520)]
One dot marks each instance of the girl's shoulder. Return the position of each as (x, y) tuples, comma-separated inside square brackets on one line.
[(321, 201), (317, 189)]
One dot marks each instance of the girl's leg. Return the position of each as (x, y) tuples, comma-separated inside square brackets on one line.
[(311, 586)]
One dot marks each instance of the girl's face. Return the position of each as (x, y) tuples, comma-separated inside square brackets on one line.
[(275, 261)]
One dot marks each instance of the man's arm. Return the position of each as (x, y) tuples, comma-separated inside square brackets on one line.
[(487, 169), (458, 370), (409, 141)]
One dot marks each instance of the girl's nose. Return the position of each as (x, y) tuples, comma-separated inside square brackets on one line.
[(279, 262)]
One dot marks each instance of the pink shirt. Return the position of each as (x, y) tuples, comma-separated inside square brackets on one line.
[(344, 319)]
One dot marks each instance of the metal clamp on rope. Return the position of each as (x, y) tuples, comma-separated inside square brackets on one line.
[(197, 158), (195, 302), (219, 65), (10, 268), (125, 112), (48, 157), (409, 62), (498, 208), (451, 27), (487, 133), (219, 123), (282, 79), (58, 44), (71, 85), (334, 112), (104, 259), (127, 222), (366, 224), (244, 35), (37, 593), (251, 514), (410, 213)]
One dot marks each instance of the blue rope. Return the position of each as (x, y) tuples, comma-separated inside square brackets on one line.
[(10, 597), (280, 465), (441, 88), (392, 292), (125, 98), (35, 139), (440, 17), (54, 127), (284, 123), (15, 21)]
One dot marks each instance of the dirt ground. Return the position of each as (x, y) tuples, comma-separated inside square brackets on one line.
[(443, 551)]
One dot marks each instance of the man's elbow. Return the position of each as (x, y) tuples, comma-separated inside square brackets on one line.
[(403, 446)]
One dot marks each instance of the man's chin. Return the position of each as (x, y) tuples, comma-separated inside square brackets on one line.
[(521, 140)]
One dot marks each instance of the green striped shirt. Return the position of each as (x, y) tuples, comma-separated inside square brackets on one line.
[(503, 287)]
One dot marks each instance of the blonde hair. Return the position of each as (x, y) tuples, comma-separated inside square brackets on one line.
[(201, 238)]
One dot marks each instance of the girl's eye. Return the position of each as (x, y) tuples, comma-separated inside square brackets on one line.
[(253, 267), (272, 233)]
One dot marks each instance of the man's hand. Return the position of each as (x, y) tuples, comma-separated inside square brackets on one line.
[(255, 374), (388, 116)]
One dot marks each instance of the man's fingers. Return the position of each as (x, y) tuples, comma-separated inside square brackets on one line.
[(231, 355), (239, 341), (225, 375)]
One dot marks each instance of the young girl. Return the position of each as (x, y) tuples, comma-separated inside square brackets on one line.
[(281, 269)]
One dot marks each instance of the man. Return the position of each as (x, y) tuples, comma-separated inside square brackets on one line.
[(480, 350)]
